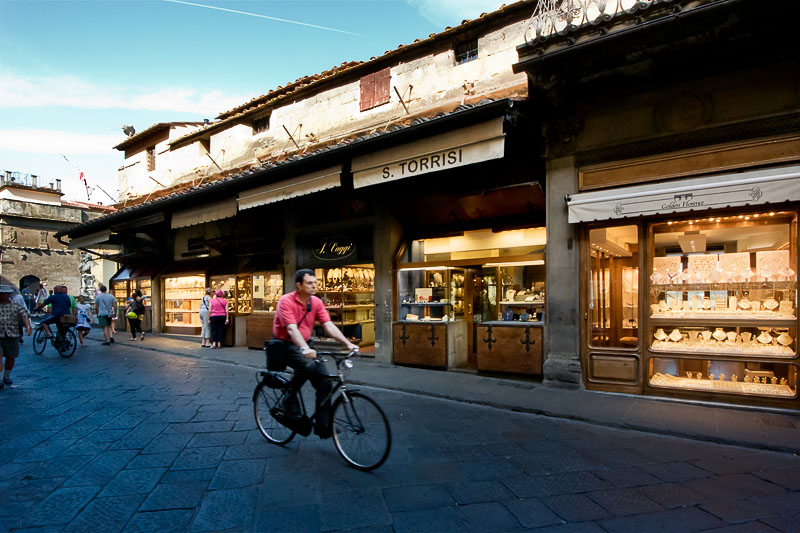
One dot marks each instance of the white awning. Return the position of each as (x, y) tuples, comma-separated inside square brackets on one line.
[(291, 188), (88, 240), (473, 144), (204, 213), (756, 187)]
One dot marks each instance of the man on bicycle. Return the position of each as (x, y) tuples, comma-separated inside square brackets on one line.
[(294, 324), (60, 305)]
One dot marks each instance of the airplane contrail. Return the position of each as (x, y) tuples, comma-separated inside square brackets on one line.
[(259, 16)]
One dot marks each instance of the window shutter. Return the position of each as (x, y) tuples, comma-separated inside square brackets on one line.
[(382, 86), (367, 92)]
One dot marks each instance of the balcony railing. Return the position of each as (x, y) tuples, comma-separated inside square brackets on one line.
[(8, 177)]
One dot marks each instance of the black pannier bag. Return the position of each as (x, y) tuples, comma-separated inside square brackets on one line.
[(276, 355)]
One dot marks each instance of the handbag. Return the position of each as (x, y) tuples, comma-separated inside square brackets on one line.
[(132, 315)]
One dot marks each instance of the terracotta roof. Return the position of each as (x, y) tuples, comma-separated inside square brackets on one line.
[(152, 130), (224, 180), (307, 82), (86, 205)]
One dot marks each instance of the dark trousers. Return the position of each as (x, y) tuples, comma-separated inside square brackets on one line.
[(217, 328), (136, 325), (306, 369)]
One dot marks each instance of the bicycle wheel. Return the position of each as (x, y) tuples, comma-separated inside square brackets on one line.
[(67, 344), (361, 431), (264, 399), (39, 341)]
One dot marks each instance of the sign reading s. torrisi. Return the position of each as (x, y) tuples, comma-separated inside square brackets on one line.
[(473, 144)]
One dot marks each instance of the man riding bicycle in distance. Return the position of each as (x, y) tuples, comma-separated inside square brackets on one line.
[(60, 305), (294, 324)]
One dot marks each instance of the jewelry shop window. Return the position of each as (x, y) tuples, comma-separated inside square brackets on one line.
[(722, 304), (614, 287)]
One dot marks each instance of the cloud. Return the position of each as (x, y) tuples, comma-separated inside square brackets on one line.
[(56, 141), (71, 91), (452, 12)]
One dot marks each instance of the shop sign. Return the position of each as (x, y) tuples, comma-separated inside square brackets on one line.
[(334, 249), (474, 144)]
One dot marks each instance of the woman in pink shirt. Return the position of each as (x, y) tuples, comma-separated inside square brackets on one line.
[(218, 318)]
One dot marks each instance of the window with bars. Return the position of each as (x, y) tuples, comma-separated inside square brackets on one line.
[(375, 89), (466, 51), (151, 158)]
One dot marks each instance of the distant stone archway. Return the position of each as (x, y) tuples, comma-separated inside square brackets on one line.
[(29, 287)]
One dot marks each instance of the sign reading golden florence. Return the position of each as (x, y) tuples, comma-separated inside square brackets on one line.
[(334, 249)]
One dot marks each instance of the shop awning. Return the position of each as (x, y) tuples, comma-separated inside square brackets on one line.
[(465, 146), (129, 272), (283, 190), (91, 239), (756, 187), (204, 213)]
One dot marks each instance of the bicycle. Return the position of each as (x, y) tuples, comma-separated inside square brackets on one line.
[(64, 341), (360, 428)]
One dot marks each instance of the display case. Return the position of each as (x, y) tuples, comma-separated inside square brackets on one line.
[(520, 291), (182, 298), (122, 290), (722, 305), (433, 293), (238, 291), (267, 290), (349, 296), (431, 330)]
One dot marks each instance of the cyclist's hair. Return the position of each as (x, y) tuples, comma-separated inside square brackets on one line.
[(302, 273)]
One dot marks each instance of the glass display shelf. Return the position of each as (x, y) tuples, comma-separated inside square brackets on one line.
[(765, 379)]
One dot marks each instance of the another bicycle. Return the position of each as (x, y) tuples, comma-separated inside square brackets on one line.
[(64, 341), (360, 428)]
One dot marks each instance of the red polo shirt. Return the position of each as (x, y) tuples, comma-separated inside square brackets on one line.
[(291, 311)]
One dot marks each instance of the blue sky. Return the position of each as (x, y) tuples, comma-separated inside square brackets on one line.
[(73, 72)]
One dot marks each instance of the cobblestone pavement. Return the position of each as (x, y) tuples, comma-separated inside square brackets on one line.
[(120, 439)]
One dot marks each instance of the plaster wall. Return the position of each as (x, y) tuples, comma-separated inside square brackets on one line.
[(26, 195), (426, 83), (135, 180)]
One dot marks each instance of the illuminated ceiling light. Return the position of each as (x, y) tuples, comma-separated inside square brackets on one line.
[(772, 214), (741, 216), (747, 218), (756, 215)]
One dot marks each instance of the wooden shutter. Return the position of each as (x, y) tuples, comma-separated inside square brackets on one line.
[(367, 92), (382, 79)]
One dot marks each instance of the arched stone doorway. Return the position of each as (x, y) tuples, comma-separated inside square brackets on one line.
[(29, 287)]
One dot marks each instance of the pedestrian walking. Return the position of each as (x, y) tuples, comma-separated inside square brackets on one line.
[(17, 297), (205, 316), (219, 318), (12, 314), (135, 311), (106, 307), (85, 319), (41, 294)]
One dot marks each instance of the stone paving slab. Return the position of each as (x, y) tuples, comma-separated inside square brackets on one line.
[(765, 428), (77, 458)]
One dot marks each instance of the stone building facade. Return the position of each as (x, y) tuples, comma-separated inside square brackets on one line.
[(31, 213)]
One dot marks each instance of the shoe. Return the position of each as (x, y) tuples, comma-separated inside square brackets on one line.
[(323, 432), (21, 341), (133, 338), (111, 340), (7, 381), (142, 338), (106, 344)]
